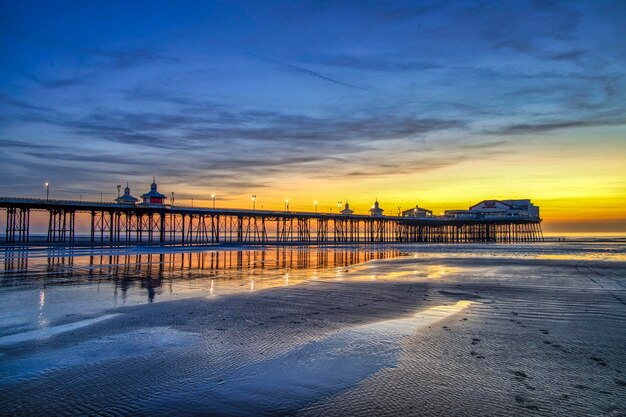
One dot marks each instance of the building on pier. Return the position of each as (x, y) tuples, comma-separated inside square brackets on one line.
[(127, 198), (347, 211), (497, 209), (418, 212), (507, 208), (153, 197), (376, 211)]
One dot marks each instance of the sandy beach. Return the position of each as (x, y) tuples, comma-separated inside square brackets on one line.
[(431, 330)]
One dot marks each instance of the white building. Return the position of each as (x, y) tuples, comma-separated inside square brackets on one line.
[(126, 198), (418, 212), (347, 211), (376, 211), (506, 208)]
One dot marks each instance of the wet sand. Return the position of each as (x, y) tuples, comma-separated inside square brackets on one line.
[(421, 334)]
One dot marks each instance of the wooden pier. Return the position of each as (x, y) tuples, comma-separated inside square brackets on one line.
[(114, 223)]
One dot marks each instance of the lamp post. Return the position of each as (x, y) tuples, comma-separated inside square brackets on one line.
[(286, 204), (119, 187), (172, 200), (338, 205), (315, 204), (253, 201), (213, 198), (47, 190)]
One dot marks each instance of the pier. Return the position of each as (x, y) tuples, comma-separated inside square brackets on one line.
[(121, 223)]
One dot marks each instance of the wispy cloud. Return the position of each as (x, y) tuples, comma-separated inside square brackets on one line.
[(126, 58), (377, 64), (547, 126), (314, 74)]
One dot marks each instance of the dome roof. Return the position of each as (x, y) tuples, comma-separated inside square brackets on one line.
[(126, 198), (153, 191)]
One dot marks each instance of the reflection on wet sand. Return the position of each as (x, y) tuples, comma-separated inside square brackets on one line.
[(156, 270), (447, 334)]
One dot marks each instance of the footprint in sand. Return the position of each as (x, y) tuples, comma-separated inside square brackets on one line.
[(475, 341), (474, 353), (544, 331), (599, 361)]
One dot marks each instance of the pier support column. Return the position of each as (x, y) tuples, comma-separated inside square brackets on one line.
[(17, 226), (61, 226)]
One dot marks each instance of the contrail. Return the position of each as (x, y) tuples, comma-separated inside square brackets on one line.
[(313, 73)]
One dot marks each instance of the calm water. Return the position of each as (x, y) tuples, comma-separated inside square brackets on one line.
[(39, 287)]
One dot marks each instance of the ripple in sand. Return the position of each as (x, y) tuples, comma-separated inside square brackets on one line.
[(311, 371), (51, 331), (124, 345)]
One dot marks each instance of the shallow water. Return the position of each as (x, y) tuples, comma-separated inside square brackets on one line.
[(41, 287), (373, 330)]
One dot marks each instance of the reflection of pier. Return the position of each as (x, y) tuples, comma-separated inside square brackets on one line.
[(151, 271), (120, 223)]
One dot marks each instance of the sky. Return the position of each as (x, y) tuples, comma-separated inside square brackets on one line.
[(435, 103)]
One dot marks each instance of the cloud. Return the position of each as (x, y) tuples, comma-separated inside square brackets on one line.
[(123, 59), (54, 83), (313, 74), (542, 127), (373, 64), (22, 104), (238, 146)]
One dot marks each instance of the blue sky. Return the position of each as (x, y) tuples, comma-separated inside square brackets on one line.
[(245, 96)]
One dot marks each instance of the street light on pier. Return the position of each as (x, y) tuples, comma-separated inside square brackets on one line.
[(213, 198), (172, 200), (253, 201), (315, 204), (338, 205), (119, 187), (47, 190), (286, 204)]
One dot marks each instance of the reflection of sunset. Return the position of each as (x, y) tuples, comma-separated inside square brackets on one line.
[(221, 271), (439, 271)]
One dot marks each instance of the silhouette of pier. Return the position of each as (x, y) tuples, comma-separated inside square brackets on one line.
[(115, 223)]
